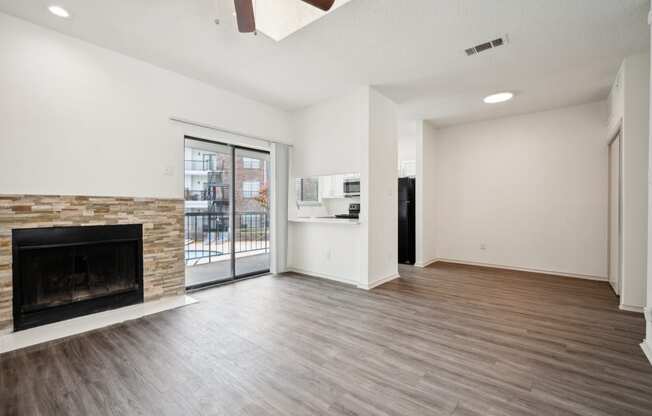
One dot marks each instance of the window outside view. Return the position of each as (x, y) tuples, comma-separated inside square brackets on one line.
[(210, 245)]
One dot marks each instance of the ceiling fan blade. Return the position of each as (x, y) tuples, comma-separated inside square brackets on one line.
[(244, 12), (325, 5)]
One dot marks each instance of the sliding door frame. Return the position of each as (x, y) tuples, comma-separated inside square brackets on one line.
[(232, 213)]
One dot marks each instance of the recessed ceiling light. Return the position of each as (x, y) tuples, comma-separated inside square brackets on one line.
[(498, 98), (59, 11)]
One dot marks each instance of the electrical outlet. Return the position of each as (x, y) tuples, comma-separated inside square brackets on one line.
[(483, 246), (328, 254), (168, 171)]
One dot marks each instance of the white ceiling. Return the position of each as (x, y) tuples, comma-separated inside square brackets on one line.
[(561, 52)]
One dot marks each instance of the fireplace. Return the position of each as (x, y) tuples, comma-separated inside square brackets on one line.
[(65, 272)]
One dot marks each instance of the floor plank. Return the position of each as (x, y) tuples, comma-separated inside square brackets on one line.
[(444, 340)]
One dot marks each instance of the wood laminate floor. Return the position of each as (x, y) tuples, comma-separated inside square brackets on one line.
[(445, 340)]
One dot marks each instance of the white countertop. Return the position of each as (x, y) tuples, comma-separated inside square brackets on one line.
[(326, 220)]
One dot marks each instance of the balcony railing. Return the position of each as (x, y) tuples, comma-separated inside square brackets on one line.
[(214, 193), (207, 235), (205, 165)]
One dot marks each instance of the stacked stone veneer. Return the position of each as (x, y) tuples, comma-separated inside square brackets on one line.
[(162, 220)]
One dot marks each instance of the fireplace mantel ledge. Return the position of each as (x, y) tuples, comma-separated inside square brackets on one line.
[(29, 337)]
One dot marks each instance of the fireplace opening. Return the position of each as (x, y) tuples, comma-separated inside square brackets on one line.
[(64, 272)]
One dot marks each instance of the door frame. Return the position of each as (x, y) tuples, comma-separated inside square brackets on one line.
[(617, 136), (232, 211)]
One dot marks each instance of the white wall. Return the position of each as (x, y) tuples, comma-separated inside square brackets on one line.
[(647, 345), (426, 196), (532, 189), (80, 119), (635, 127), (356, 133), (408, 133), (381, 205), (328, 136), (407, 149), (628, 112), (327, 140), (331, 251)]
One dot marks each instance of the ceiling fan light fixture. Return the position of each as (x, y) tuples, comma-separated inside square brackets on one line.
[(324, 5), (244, 15)]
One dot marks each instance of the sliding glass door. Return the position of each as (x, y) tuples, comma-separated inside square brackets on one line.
[(251, 225), (226, 212)]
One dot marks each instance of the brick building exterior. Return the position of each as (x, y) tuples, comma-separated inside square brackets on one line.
[(208, 180)]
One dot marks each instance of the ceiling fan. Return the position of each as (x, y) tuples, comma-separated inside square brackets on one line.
[(244, 10)]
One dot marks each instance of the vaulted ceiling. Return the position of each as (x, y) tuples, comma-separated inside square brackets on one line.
[(560, 52)]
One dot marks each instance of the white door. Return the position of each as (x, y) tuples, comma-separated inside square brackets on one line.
[(614, 215)]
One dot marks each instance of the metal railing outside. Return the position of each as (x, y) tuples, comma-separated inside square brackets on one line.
[(204, 165), (207, 235), (214, 193)]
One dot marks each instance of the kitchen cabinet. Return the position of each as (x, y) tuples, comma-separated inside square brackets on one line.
[(331, 186)]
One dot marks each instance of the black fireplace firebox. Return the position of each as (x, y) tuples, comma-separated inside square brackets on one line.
[(64, 272)]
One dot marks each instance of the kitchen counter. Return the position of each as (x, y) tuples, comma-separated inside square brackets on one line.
[(326, 220)]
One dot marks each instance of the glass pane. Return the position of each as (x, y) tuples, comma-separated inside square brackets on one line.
[(252, 212), (307, 190), (207, 212)]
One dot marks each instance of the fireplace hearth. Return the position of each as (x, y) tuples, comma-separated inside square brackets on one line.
[(64, 272)]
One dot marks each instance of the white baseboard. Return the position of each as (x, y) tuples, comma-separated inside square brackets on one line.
[(22, 339), (426, 263), (646, 346), (523, 269), (379, 282), (630, 308), (345, 280), (340, 279)]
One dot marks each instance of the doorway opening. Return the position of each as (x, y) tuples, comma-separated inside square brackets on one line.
[(406, 220), (226, 212)]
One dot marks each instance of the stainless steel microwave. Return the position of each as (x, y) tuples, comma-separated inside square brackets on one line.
[(351, 187)]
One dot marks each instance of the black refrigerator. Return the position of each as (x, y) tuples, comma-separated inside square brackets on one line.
[(406, 221)]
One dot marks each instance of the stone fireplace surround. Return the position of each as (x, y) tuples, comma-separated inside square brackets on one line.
[(162, 221)]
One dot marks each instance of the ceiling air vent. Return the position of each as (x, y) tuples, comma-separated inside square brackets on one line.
[(486, 46)]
